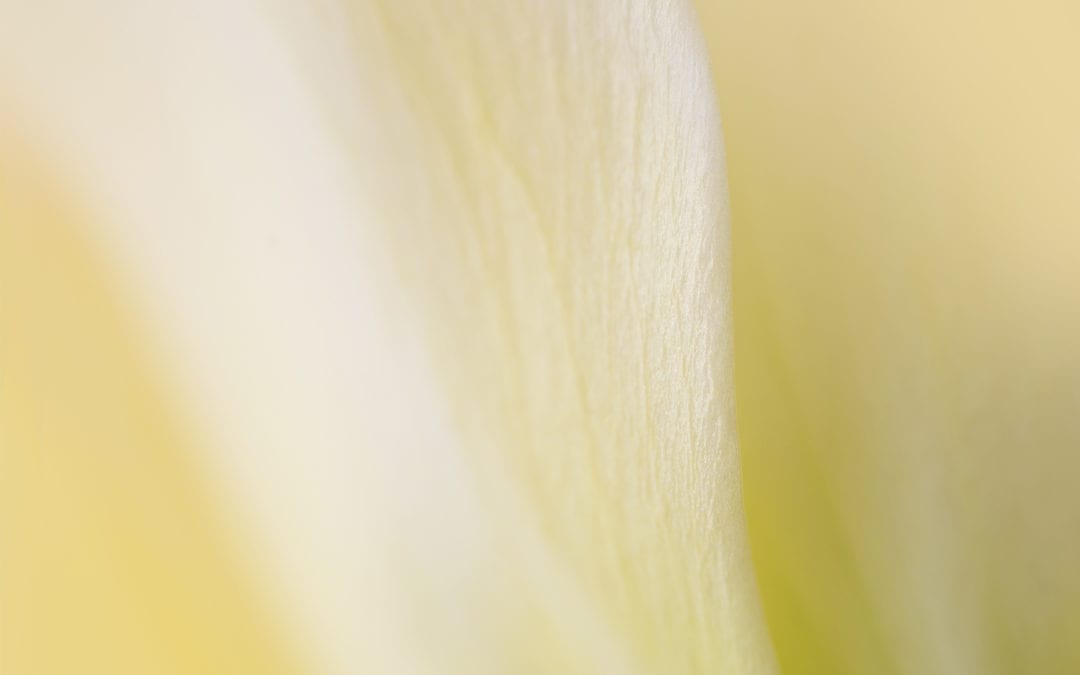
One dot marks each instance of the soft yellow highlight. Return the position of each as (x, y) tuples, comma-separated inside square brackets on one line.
[(112, 558)]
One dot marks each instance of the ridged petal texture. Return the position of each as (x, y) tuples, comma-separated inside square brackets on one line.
[(359, 337), (905, 243)]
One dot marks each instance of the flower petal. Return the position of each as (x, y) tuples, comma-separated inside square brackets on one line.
[(447, 295)]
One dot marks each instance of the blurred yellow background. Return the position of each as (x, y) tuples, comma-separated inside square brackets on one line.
[(906, 222)]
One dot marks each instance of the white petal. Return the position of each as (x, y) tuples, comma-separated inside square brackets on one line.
[(447, 293)]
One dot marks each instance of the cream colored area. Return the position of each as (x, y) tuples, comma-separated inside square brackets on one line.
[(905, 245), (445, 293), (112, 559)]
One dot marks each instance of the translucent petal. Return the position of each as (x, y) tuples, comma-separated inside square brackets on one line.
[(443, 298)]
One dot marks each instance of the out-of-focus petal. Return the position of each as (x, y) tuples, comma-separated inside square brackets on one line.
[(112, 559), (445, 294), (906, 308)]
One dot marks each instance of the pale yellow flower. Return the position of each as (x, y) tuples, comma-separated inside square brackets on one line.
[(348, 336), (357, 337)]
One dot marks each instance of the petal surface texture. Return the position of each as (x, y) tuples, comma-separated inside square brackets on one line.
[(904, 207), (424, 311)]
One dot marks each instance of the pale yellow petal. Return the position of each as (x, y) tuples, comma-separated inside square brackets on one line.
[(445, 294), (112, 560)]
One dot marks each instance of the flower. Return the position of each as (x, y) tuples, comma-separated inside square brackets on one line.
[(358, 337), (352, 336)]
